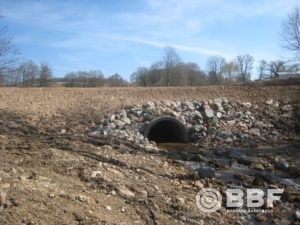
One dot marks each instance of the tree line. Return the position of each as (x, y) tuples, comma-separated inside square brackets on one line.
[(29, 74), (94, 78), (169, 71)]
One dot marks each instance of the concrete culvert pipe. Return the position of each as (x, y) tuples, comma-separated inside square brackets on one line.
[(166, 130)]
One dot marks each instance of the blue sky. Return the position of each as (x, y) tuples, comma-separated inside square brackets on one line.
[(121, 35)]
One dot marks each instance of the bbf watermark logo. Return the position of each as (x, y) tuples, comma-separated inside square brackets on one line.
[(210, 199)]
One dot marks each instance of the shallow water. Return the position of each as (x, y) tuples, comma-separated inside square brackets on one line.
[(233, 168), (231, 163)]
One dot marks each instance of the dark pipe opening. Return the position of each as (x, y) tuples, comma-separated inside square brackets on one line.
[(166, 130)]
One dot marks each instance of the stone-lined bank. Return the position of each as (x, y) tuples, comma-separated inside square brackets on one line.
[(215, 122)]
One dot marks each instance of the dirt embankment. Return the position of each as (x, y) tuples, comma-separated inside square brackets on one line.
[(76, 107), (56, 101)]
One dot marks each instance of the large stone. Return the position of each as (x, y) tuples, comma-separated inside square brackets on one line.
[(247, 105), (185, 105), (261, 218), (231, 122), (108, 207), (206, 172), (259, 124), (224, 134), (218, 104), (23, 177), (297, 214), (181, 200), (281, 164), (148, 116), (269, 102), (276, 104), (198, 128), (235, 153), (219, 115), (196, 136), (225, 101), (149, 106), (173, 114), (287, 108), (112, 117), (218, 101), (137, 112), (112, 126), (198, 184), (254, 131), (125, 192), (209, 112), (120, 124), (123, 113), (198, 114), (96, 173), (82, 198), (257, 165), (126, 120)]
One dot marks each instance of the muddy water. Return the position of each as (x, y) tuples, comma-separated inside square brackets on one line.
[(250, 168), (234, 165)]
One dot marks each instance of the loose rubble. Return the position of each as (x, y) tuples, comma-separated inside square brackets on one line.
[(214, 122)]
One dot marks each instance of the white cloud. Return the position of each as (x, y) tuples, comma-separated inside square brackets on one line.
[(159, 44)]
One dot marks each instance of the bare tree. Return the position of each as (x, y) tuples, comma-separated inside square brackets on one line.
[(194, 75), (245, 64), (215, 66), (7, 53), (169, 72), (14, 78), (293, 67), (2, 80), (183, 74), (170, 60), (180, 75), (5, 48), (140, 77), (155, 74), (45, 75), (230, 71), (275, 67), (291, 32), (28, 72), (262, 69), (116, 80), (94, 78)]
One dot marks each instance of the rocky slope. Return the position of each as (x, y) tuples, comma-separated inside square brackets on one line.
[(210, 123)]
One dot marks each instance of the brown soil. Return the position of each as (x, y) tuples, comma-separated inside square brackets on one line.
[(54, 101), (53, 172)]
